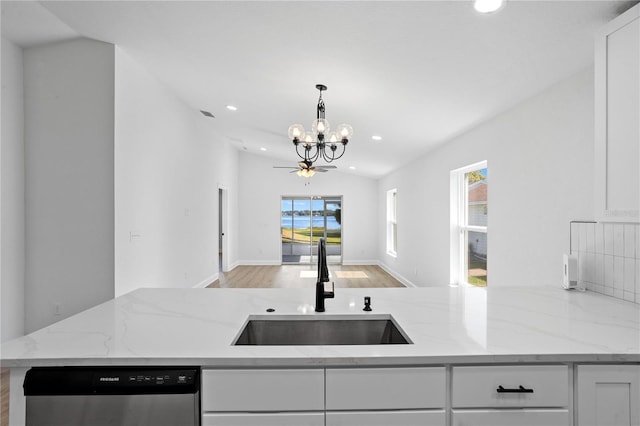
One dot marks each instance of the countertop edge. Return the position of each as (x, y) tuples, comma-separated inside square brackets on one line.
[(306, 362)]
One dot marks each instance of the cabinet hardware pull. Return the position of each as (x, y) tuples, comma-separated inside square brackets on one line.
[(520, 389)]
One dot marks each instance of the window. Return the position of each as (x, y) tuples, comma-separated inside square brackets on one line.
[(303, 220), (469, 218), (392, 222)]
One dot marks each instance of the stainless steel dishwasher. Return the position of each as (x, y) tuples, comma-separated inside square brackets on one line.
[(123, 396)]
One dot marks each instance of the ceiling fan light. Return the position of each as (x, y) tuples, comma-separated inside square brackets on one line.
[(487, 6), (320, 126), (305, 173), (296, 131)]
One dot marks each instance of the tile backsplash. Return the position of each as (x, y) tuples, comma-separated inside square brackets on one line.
[(608, 258)]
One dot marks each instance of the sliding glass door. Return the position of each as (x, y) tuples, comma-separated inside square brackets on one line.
[(303, 220)]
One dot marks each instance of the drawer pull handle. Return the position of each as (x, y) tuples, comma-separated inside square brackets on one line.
[(520, 389)]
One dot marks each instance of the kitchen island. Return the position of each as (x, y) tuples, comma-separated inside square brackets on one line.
[(448, 327)]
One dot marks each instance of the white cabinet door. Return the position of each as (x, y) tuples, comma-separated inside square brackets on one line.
[(385, 388), (263, 390), (617, 119), (527, 417), (387, 418), (510, 386), (276, 419), (608, 395)]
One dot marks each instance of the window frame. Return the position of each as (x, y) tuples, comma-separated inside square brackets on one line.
[(459, 226)]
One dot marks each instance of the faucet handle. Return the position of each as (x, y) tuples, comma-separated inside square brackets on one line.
[(332, 293)]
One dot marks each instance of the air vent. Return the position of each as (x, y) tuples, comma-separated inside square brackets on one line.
[(207, 114)]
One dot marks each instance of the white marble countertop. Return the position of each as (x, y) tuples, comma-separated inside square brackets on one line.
[(446, 325)]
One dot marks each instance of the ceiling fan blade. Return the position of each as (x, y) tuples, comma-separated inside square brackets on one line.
[(321, 170), (285, 167), (328, 167)]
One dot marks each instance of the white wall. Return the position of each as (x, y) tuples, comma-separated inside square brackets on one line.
[(68, 103), (169, 163), (12, 228), (540, 161), (261, 188)]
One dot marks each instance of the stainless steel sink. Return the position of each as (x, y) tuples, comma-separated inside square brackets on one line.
[(311, 330)]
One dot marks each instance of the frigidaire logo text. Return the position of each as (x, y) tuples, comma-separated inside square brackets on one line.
[(109, 379)]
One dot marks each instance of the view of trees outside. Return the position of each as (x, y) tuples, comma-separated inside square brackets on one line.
[(477, 214)]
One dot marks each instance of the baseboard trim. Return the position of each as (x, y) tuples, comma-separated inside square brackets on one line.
[(259, 263), (207, 281), (396, 275), (233, 266), (360, 262), (278, 263)]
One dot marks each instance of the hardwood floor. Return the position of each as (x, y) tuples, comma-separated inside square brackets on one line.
[(303, 276), (4, 397)]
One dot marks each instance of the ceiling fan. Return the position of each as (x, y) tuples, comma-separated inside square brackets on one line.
[(306, 168)]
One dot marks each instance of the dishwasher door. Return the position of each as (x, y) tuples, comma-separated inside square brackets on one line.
[(130, 396)]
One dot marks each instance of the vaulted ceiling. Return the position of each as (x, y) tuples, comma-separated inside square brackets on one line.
[(416, 73)]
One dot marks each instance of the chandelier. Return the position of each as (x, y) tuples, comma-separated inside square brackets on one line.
[(320, 142)]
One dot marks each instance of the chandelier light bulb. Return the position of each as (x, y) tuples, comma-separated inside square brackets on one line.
[(333, 137), (487, 6), (296, 131), (344, 131), (308, 138), (320, 126)]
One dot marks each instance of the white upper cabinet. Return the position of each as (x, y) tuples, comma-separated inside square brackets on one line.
[(617, 119)]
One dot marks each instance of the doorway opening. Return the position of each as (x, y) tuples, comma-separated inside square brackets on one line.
[(303, 220)]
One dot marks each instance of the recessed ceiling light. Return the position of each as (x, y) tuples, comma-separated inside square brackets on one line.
[(232, 108), (263, 149), (352, 167), (487, 6), (376, 138)]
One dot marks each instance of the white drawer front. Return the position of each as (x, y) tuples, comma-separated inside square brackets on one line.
[(279, 419), (525, 417), (478, 386), (263, 390), (385, 388), (388, 418)]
